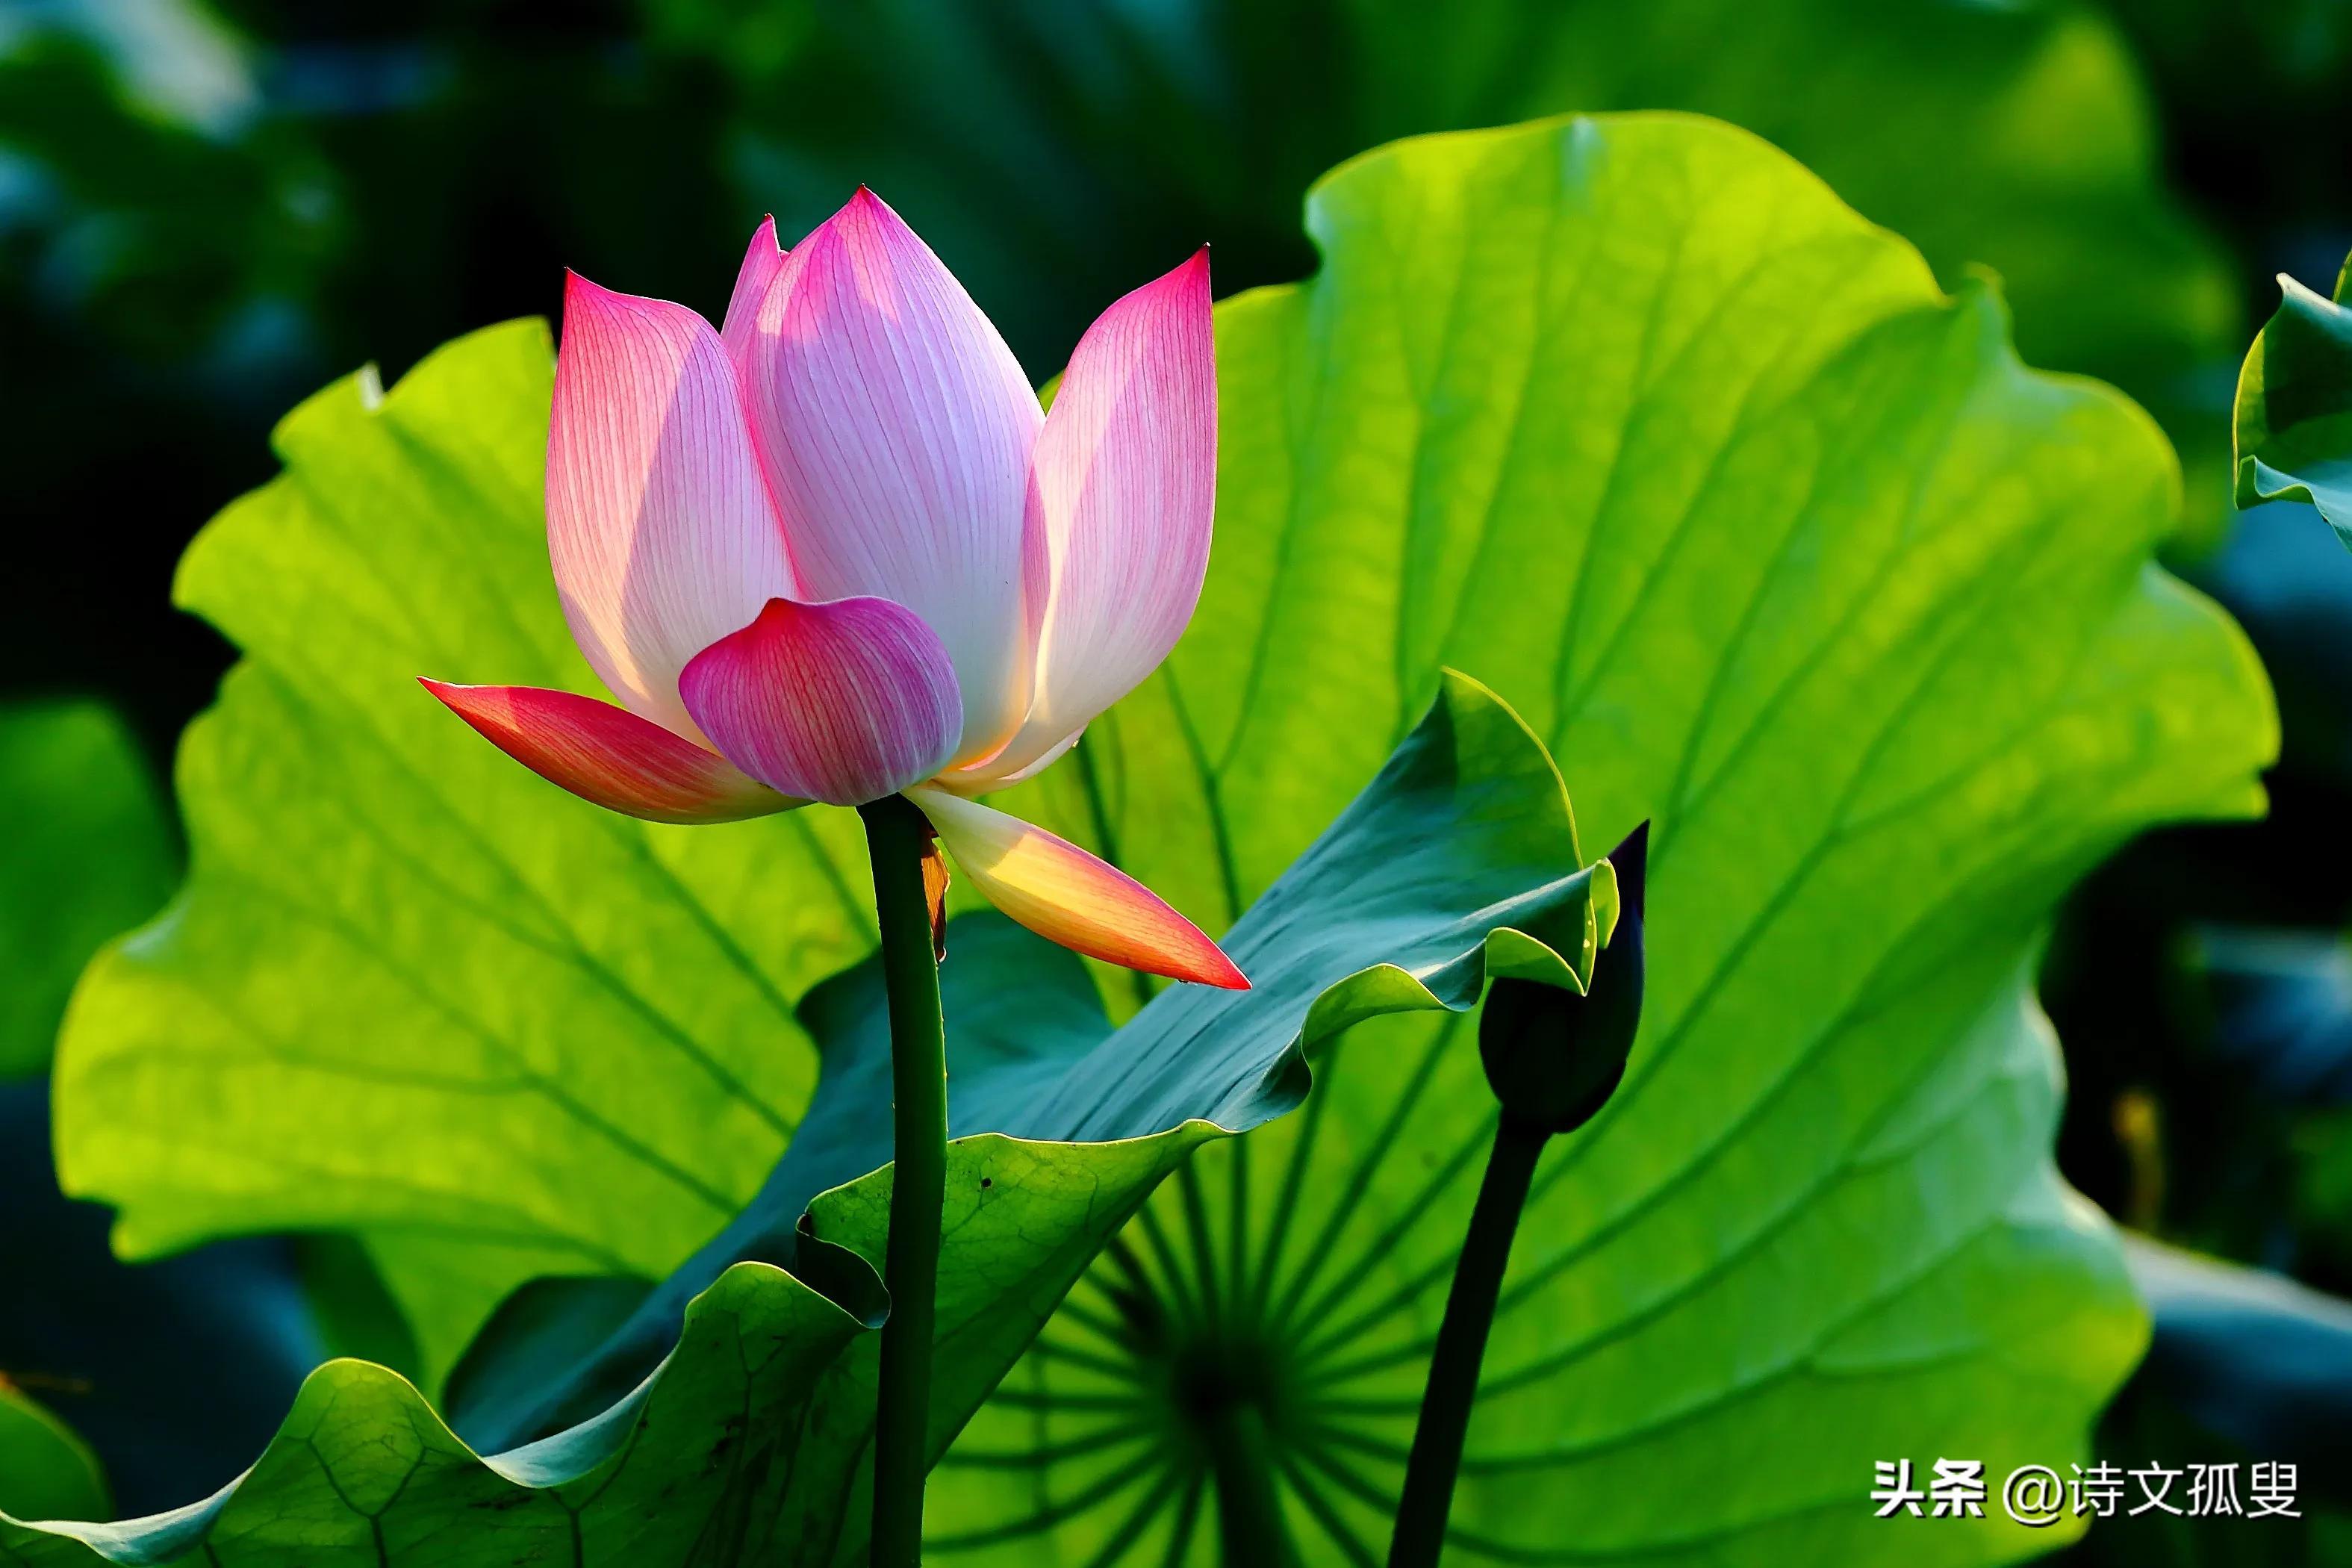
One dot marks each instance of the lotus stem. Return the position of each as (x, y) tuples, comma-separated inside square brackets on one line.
[(1436, 1458), (1249, 1512), (897, 836)]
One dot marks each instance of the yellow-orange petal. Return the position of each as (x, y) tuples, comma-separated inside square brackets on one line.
[(609, 756), (1066, 895)]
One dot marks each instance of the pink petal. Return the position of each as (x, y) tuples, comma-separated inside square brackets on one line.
[(659, 524), (762, 259), (896, 427), (1066, 895), (1121, 494), (609, 755), (844, 702)]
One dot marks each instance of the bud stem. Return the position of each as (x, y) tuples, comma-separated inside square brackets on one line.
[(1436, 1456), (896, 838)]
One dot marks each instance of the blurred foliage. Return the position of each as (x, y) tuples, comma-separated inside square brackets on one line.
[(2288, 1400), (1058, 150), (90, 853), (174, 1372), (2250, 93), (170, 1374), (165, 218), (200, 218), (180, 261)]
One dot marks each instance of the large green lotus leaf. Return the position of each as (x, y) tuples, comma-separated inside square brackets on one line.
[(1778, 548), (747, 1442), (2294, 424), (1054, 151), (1465, 832), (364, 1472), (407, 990), (88, 854)]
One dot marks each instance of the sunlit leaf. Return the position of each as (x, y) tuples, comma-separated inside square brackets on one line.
[(748, 1442), (407, 990), (1781, 550)]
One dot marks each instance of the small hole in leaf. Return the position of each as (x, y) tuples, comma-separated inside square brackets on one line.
[(988, 1181)]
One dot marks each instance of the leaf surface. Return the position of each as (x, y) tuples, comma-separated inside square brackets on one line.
[(1779, 548), (741, 1398)]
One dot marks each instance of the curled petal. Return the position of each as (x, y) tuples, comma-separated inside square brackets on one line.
[(610, 756), (1066, 895), (844, 702), (895, 428), (762, 259), (993, 774), (658, 526), (1120, 497)]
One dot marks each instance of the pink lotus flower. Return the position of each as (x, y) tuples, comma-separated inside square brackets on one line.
[(836, 551)]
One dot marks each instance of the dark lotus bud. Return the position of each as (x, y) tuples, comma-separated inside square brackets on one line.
[(1553, 1058)]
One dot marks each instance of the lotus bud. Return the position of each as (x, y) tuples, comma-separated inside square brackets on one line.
[(1554, 1057)]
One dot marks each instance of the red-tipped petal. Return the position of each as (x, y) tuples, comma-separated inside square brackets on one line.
[(1120, 496), (1066, 895), (762, 259), (610, 756), (659, 524), (844, 702), (895, 428)]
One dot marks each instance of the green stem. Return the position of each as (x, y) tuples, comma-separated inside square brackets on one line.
[(1249, 1514), (1436, 1458), (896, 838)]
